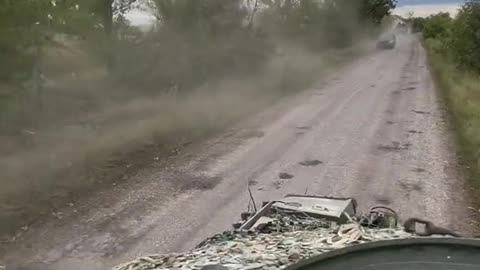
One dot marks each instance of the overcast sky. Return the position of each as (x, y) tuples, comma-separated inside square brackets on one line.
[(427, 2), (422, 8)]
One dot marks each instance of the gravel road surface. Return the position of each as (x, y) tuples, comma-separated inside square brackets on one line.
[(373, 130)]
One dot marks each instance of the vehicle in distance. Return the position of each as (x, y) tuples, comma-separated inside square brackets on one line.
[(387, 41)]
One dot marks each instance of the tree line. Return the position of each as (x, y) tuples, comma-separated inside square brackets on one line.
[(240, 29), (457, 38)]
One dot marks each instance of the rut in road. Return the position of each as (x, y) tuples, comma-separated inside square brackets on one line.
[(357, 127)]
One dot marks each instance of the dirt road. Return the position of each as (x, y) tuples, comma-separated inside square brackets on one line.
[(374, 131)]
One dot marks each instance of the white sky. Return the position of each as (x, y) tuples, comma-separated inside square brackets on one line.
[(426, 10), (139, 17)]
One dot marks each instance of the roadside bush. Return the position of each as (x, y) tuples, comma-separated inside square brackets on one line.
[(456, 38), (198, 41), (194, 41), (418, 24), (453, 45), (176, 60), (437, 26), (465, 37)]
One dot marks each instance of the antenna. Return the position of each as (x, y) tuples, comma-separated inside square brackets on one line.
[(252, 199)]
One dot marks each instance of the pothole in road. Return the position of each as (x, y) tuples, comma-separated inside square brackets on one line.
[(411, 88), (252, 182), (310, 162), (415, 132), (395, 146), (420, 112), (390, 122), (396, 92), (410, 187), (304, 128), (419, 170), (285, 176), (383, 200), (198, 183)]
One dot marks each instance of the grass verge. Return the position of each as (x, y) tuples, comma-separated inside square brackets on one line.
[(460, 92)]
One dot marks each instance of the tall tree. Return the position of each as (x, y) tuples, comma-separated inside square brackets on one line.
[(373, 11), (107, 11), (25, 26), (214, 16), (465, 37)]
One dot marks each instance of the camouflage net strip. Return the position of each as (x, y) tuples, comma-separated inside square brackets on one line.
[(288, 242)]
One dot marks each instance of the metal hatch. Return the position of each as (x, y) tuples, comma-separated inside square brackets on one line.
[(330, 208)]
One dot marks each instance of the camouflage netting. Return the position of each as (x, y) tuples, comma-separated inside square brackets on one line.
[(285, 240)]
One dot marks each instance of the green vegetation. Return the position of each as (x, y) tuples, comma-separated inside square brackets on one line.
[(85, 96), (453, 45)]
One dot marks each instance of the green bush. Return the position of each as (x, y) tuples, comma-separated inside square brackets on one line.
[(418, 24), (456, 38), (465, 37), (437, 26)]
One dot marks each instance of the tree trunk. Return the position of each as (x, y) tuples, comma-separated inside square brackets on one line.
[(108, 25)]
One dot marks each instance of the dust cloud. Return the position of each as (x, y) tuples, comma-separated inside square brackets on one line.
[(196, 72)]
